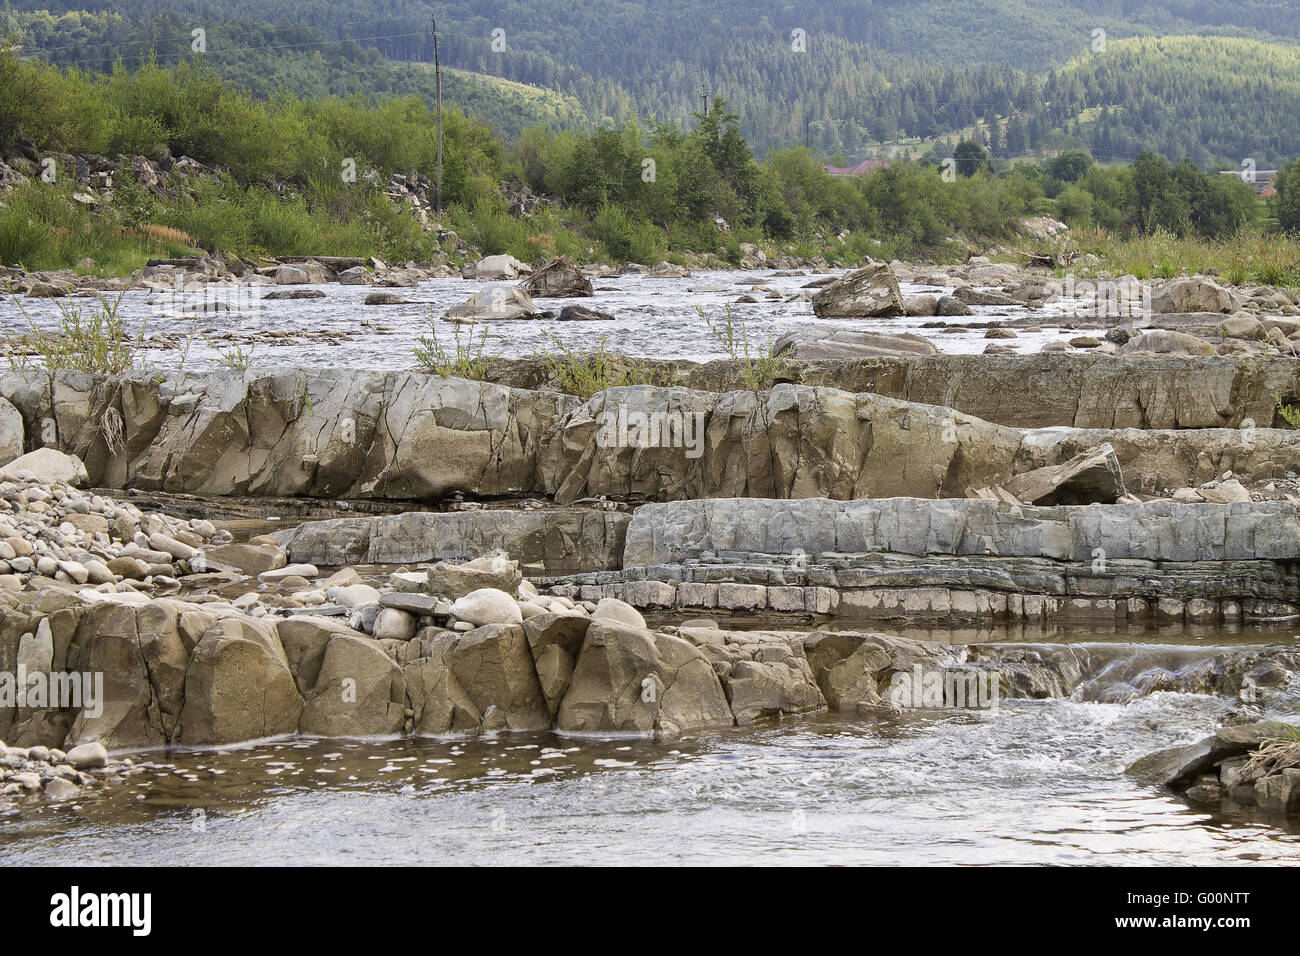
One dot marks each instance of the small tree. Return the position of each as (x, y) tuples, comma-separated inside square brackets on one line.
[(1287, 203)]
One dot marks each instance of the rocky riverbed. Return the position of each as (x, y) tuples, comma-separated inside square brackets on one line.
[(364, 313), (474, 582)]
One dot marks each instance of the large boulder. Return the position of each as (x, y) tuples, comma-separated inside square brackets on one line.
[(494, 570), (11, 432), (439, 704), (301, 273), (629, 679), (251, 559), (494, 268), (1092, 477), (487, 606), (359, 691), (666, 270), (555, 639), (49, 465), (495, 304), (128, 716), (239, 686), (1179, 766), (1194, 294), (869, 292), (1163, 341), (559, 278), (768, 689), (494, 666)]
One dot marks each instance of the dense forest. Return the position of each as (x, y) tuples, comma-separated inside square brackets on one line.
[(861, 77)]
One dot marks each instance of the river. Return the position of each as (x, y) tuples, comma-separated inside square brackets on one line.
[(1027, 782), (653, 318)]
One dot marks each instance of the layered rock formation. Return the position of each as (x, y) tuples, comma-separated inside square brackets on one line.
[(403, 435)]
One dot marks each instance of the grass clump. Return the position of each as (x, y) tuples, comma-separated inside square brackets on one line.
[(1289, 413), (90, 338), (465, 358), (584, 372), (759, 368)]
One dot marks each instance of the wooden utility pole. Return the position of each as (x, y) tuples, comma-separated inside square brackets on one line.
[(437, 86)]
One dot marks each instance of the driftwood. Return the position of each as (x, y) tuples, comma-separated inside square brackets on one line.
[(560, 278)]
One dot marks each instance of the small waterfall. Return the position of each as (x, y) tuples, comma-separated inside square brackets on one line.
[(1120, 672)]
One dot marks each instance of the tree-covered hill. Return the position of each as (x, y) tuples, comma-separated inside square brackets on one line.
[(870, 74)]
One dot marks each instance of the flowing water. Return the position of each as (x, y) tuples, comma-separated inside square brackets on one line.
[(653, 318), (1030, 781)]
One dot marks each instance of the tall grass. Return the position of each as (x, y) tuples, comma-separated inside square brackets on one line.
[(759, 368), (465, 358), (87, 338), (1248, 257), (584, 372)]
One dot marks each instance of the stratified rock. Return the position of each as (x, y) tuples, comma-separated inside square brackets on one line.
[(869, 292), (1093, 476), (817, 342), (495, 304)]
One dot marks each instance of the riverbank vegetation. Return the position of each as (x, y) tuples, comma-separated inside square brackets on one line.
[(295, 176)]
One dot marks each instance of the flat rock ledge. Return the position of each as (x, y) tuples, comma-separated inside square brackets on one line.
[(908, 560)]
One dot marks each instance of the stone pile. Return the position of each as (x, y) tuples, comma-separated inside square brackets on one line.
[(29, 772), (51, 529)]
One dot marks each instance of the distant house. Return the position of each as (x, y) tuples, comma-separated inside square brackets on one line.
[(864, 168), (1265, 181)]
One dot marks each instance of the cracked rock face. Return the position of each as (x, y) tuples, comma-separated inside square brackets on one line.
[(346, 434)]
